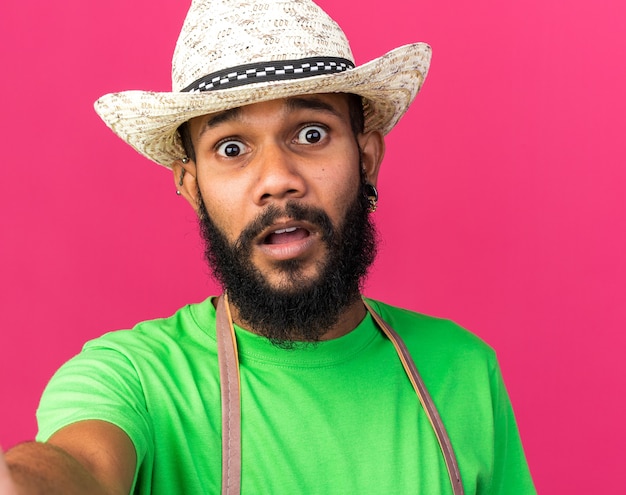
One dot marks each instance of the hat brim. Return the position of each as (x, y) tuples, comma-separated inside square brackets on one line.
[(148, 121)]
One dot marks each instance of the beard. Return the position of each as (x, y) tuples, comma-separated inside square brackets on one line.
[(300, 310)]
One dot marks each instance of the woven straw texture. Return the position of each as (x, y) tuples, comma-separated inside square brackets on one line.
[(222, 34)]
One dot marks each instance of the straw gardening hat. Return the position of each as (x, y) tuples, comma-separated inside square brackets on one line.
[(232, 53)]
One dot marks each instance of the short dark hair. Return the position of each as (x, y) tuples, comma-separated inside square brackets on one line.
[(185, 138), (355, 108), (357, 114)]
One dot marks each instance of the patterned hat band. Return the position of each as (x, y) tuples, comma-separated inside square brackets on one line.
[(269, 71)]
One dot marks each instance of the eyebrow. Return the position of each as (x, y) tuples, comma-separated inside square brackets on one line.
[(311, 103), (220, 118)]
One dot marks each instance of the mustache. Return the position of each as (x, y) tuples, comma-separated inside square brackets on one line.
[(292, 210)]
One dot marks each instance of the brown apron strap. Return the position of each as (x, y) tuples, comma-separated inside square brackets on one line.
[(231, 405), (425, 399)]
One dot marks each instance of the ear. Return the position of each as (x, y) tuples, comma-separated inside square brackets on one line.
[(372, 145), (185, 181)]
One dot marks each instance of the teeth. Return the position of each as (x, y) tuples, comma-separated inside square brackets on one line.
[(282, 231)]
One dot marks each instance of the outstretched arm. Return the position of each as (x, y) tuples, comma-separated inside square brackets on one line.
[(88, 457), (7, 487)]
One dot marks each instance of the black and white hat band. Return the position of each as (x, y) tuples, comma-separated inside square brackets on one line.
[(269, 71)]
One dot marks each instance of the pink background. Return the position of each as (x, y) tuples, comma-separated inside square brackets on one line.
[(502, 201)]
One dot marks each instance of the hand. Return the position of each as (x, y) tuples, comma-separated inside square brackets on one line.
[(6, 482)]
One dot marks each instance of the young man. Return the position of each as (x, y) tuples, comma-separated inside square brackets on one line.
[(290, 382)]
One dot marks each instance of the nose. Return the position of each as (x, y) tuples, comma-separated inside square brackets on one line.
[(278, 175)]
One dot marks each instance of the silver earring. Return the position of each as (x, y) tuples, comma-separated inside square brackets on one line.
[(185, 159), (372, 196), (182, 175), (177, 192)]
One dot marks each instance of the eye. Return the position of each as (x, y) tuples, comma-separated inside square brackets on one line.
[(311, 134), (230, 148)]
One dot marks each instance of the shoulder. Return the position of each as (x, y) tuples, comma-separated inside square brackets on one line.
[(143, 356), (188, 328), (432, 339), (115, 376)]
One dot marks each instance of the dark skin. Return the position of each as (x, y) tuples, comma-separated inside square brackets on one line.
[(92, 457), (280, 159), (260, 155)]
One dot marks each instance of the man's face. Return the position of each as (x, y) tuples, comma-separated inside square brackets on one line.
[(283, 210), (267, 154)]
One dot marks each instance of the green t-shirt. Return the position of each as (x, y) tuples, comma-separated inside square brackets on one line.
[(339, 417)]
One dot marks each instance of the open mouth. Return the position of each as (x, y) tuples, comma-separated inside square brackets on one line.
[(286, 235)]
